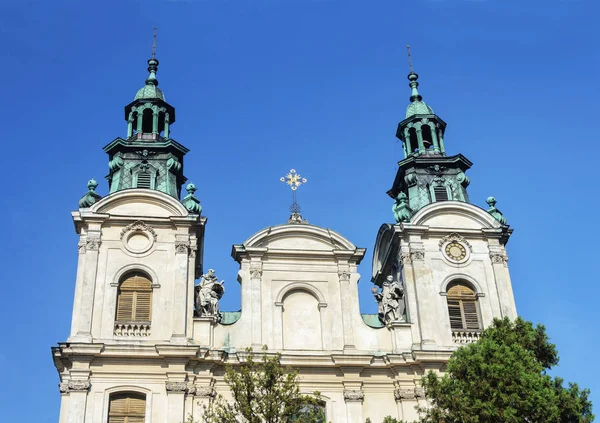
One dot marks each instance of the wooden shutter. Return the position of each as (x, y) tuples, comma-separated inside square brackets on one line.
[(462, 307), (143, 180), (441, 194), (127, 408), (134, 302)]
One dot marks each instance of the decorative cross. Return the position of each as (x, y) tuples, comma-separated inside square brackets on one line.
[(294, 180)]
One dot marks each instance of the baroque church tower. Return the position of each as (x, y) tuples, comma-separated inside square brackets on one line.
[(149, 344)]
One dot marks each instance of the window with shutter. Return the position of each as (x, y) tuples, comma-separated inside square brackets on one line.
[(134, 299), (127, 408), (143, 180), (462, 308), (441, 193)]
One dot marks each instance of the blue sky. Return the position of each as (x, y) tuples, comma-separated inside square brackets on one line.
[(262, 86)]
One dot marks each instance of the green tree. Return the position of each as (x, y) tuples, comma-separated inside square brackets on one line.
[(502, 378), (264, 392)]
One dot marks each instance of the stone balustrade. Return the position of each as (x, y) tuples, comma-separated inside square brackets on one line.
[(132, 329), (465, 336)]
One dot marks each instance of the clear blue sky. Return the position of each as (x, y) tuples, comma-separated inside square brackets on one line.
[(262, 86)]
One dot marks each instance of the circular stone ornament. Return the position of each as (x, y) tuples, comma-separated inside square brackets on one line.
[(455, 251)]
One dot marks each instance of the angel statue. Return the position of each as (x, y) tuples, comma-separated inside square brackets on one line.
[(208, 293), (390, 301)]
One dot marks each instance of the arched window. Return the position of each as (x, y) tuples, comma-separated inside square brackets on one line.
[(462, 307), (134, 298), (127, 407)]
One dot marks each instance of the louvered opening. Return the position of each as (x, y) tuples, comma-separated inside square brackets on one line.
[(127, 408), (143, 180), (441, 194), (134, 299), (462, 308)]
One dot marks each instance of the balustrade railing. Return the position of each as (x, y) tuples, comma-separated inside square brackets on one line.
[(140, 329), (465, 336)]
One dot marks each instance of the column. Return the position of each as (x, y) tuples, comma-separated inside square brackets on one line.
[(140, 120), (346, 303), (78, 392), (410, 293), (182, 246), (502, 281), (130, 125), (434, 138), (64, 403), (441, 141), (166, 125), (420, 139), (256, 301), (155, 120), (88, 287), (406, 401), (354, 400), (176, 401), (407, 146)]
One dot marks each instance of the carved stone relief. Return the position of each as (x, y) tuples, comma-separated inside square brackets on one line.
[(74, 386), (354, 395), (182, 247), (138, 225), (176, 387), (404, 394)]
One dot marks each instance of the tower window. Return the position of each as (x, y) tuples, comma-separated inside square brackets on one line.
[(462, 308), (143, 180), (127, 408), (441, 193), (134, 299)]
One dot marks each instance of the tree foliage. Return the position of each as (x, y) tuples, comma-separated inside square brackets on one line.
[(502, 379), (264, 392)]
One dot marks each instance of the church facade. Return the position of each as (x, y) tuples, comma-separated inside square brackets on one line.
[(148, 342)]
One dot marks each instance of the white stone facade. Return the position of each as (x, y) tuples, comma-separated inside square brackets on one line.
[(299, 296)]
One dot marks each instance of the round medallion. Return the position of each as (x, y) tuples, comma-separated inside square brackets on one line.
[(455, 251)]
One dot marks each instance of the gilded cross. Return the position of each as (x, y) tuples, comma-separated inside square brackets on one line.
[(294, 180)]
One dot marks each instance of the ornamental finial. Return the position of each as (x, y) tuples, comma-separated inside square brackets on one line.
[(496, 214), (154, 43), (153, 63), (409, 58), (294, 180)]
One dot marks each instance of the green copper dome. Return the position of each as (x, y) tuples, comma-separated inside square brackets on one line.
[(418, 108), (151, 90)]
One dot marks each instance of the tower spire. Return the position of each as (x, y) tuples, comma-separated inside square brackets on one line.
[(153, 63), (412, 77), (154, 44)]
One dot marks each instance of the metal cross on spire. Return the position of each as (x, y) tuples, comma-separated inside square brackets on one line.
[(154, 44), (409, 58), (294, 180)]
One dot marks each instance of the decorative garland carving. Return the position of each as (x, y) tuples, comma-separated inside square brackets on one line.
[(255, 273), (405, 258), (138, 225), (404, 394), (74, 386), (354, 395), (454, 237), (176, 387), (417, 255), (92, 244), (344, 275), (499, 258), (419, 392), (204, 391), (182, 247)]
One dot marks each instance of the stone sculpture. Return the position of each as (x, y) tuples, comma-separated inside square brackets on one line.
[(208, 293), (391, 301)]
